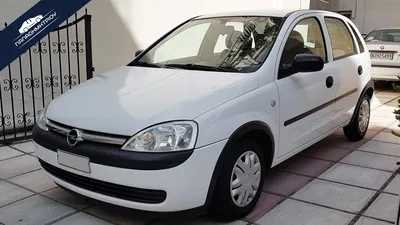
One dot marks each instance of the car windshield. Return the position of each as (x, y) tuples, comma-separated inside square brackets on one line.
[(228, 44), (389, 35)]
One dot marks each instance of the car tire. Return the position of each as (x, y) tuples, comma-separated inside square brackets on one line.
[(227, 206), (358, 127)]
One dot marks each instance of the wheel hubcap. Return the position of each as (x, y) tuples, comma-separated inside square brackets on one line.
[(245, 179), (363, 116)]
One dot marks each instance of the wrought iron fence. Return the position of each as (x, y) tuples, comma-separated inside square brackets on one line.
[(57, 63)]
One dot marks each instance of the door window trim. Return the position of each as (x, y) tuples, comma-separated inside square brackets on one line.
[(352, 38), (326, 61)]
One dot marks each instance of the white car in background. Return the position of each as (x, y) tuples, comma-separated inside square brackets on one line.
[(195, 121), (384, 48), (29, 23)]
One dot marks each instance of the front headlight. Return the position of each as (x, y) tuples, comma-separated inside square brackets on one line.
[(166, 137), (42, 120)]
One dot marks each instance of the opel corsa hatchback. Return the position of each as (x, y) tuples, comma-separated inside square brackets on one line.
[(195, 121)]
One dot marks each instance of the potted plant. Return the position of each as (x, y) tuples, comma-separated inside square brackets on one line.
[(397, 111)]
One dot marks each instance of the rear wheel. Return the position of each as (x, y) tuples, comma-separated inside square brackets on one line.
[(358, 127), (240, 182)]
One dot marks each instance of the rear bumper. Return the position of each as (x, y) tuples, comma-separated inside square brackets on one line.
[(385, 73)]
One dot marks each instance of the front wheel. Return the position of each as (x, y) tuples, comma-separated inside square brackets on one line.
[(240, 182), (358, 127)]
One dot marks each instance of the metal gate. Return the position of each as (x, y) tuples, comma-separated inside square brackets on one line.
[(57, 63)]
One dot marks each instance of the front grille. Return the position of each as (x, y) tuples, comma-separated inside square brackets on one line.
[(105, 188), (86, 135)]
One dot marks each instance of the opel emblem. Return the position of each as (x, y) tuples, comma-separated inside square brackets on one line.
[(74, 137), (382, 47)]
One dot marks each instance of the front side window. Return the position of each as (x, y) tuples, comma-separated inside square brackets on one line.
[(236, 44), (342, 42), (388, 35), (305, 38)]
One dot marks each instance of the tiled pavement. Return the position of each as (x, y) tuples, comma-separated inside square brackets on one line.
[(334, 182)]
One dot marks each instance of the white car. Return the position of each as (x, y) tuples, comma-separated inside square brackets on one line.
[(29, 23), (196, 120), (384, 47)]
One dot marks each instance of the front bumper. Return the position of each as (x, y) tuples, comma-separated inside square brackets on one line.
[(185, 185)]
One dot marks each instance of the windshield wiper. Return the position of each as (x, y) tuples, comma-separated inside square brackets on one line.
[(201, 67), (144, 64)]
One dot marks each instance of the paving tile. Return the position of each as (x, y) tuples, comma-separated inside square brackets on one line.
[(376, 127), (283, 183), (387, 137), (384, 208), (292, 212), (368, 221), (33, 210), (195, 221), (82, 218), (354, 175), (264, 205), (305, 166), (381, 147), (386, 113), (116, 214), (7, 152), (387, 93), (27, 147), (394, 186), (338, 196), (326, 152), (19, 165), (11, 193), (341, 142), (372, 160), (74, 201), (37, 181)]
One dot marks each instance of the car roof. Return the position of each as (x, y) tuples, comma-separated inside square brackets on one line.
[(266, 12)]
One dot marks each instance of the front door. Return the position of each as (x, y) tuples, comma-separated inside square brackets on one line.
[(306, 99)]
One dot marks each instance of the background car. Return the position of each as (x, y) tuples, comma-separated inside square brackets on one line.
[(384, 47)]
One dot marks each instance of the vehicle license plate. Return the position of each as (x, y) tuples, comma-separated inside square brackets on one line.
[(73, 161), (382, 55)]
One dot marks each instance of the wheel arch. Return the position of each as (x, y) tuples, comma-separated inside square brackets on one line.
[(368, 90), (257, 130)]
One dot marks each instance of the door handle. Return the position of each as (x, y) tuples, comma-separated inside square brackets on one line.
[(360, 70), (329, 82)]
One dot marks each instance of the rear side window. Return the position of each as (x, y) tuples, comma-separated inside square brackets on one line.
[(342, 42), (360, 44)]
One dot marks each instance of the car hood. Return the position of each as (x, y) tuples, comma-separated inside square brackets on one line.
[(128, 99)]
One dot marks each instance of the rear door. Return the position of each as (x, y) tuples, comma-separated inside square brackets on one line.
[(349, 68)]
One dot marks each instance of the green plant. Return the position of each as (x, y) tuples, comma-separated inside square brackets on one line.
[(397, 111)]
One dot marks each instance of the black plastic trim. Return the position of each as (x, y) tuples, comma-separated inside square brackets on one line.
[(237, 135), (316, 109), (134, 194), (386, 66), (111, 155), (370, 84)]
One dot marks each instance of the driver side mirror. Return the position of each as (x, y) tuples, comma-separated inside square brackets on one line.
[(306, 63), (138, 52)]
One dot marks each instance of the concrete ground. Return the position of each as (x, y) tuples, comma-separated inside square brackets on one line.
[(334, 182)]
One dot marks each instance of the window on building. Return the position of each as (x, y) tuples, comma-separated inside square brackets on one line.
[(342, 41), (345, 13), (305, 38), (360, 44)]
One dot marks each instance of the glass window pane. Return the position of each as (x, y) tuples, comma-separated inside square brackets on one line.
[(342, 42)]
